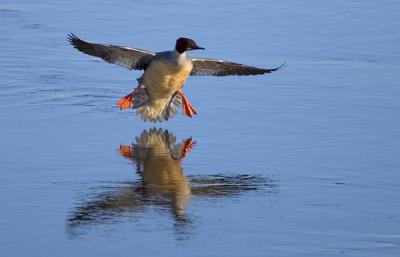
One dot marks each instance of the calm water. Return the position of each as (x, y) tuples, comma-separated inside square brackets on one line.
[(302, 162)]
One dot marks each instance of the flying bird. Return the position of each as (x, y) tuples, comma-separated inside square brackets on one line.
[(159, 91)]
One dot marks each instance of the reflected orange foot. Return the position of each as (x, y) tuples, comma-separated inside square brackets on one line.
[(187, 108), (187, 145), (126, 151)]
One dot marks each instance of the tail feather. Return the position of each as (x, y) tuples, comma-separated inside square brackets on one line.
[(158, 111)]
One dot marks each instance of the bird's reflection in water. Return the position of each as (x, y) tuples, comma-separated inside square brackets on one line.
[(158, 161)]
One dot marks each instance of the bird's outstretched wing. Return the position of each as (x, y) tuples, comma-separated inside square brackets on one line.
[(204, 67), (131, 58)]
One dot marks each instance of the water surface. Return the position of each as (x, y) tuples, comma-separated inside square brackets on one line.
[(302, 162)]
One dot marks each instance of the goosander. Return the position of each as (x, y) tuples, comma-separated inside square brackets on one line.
[(159, 89)]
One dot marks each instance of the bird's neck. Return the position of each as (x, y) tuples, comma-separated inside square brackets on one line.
[(179, 54), (179, 58)]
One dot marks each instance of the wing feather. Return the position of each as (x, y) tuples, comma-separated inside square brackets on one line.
[(204, 67), (131, 58)]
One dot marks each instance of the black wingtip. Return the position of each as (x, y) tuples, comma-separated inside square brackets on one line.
[(73, 39), (284, 65), (274, 69)]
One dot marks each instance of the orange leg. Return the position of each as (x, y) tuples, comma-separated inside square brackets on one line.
[(127, 101), (187, 108)]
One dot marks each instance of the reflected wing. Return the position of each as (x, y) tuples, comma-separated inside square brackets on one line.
[(131, 58), (204, 67)]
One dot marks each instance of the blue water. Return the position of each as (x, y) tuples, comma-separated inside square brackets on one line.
[(301, 162)]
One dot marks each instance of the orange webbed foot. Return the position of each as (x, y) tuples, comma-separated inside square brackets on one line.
[(127, 101), (187, 108)]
